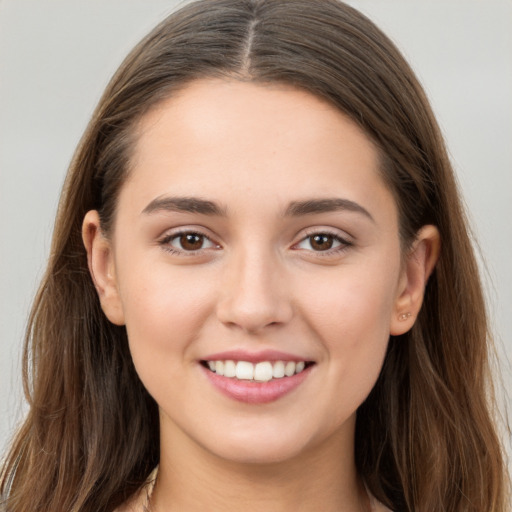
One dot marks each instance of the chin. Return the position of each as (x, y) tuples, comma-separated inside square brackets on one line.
[(259, 453), (263, 445)]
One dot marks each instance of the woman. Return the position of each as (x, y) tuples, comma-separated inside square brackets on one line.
[(261, 284)]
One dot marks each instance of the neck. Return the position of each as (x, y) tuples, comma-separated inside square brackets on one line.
[(192, 479)]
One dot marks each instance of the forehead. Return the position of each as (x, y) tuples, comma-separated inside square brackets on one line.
[(261, 142)]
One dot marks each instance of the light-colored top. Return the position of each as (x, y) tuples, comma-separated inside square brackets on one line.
[(139, 503)]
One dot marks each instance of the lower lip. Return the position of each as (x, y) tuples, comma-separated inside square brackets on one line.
[(251, 392)]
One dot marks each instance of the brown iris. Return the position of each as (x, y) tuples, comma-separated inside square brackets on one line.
[(191, 241), (321, 242)]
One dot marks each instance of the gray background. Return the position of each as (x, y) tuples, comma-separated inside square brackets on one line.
[(57, 56)]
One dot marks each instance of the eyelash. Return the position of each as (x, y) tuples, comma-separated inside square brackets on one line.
[(344, 244), (165, 243)]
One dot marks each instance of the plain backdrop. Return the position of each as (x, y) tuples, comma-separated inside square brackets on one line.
[(56, 57)]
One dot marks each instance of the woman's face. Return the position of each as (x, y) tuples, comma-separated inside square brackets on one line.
[(254, 232)]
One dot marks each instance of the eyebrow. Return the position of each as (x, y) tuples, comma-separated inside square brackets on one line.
[(184, 204), (294, 209), (312, 206)]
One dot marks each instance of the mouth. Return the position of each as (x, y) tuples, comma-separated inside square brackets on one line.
[(256, 377), (257, 372)]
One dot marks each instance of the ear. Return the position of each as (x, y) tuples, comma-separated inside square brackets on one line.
[(100, 259), (418, 265)]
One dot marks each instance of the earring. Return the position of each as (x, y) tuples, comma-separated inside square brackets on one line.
[(405, 316)]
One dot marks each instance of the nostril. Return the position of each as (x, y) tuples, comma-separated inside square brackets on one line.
[(253, 318)]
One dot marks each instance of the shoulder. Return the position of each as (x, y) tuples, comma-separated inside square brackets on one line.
[(379, 507), (375, 505), (135, 504), (138, 502)]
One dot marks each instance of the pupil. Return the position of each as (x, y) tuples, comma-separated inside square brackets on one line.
[(191, 241), (322, 242)]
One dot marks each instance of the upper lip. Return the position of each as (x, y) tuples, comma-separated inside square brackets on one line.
[(254, 357)]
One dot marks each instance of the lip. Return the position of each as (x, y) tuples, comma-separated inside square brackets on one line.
[(251, 392), (254, 357)]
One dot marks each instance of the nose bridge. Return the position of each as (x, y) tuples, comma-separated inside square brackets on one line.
[(255, 293)]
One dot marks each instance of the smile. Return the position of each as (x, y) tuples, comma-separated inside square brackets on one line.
[(265, 378), (263, 371)]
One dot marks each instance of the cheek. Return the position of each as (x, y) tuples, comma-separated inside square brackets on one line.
[(350, 312), (352, 299), (350, 318), (164, 310)]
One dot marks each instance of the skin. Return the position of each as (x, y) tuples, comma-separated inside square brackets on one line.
[(257, 283)]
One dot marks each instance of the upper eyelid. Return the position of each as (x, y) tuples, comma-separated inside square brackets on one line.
[(173, 232), (345, 241), (337, 233), (164, 242), (172, 236)]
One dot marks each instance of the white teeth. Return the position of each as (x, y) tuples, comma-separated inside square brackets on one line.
[(259, 372), (289, 369), (219, 367), (263, 372), (229, 369), (278, 370), (244, 370)]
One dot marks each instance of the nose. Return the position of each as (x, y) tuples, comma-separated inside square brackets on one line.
[(254, 294)]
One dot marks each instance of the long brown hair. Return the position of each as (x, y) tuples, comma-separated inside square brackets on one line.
[(425, 437)]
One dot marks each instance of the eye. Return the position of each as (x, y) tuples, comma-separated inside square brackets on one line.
[(322, 242), (189, 241)]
